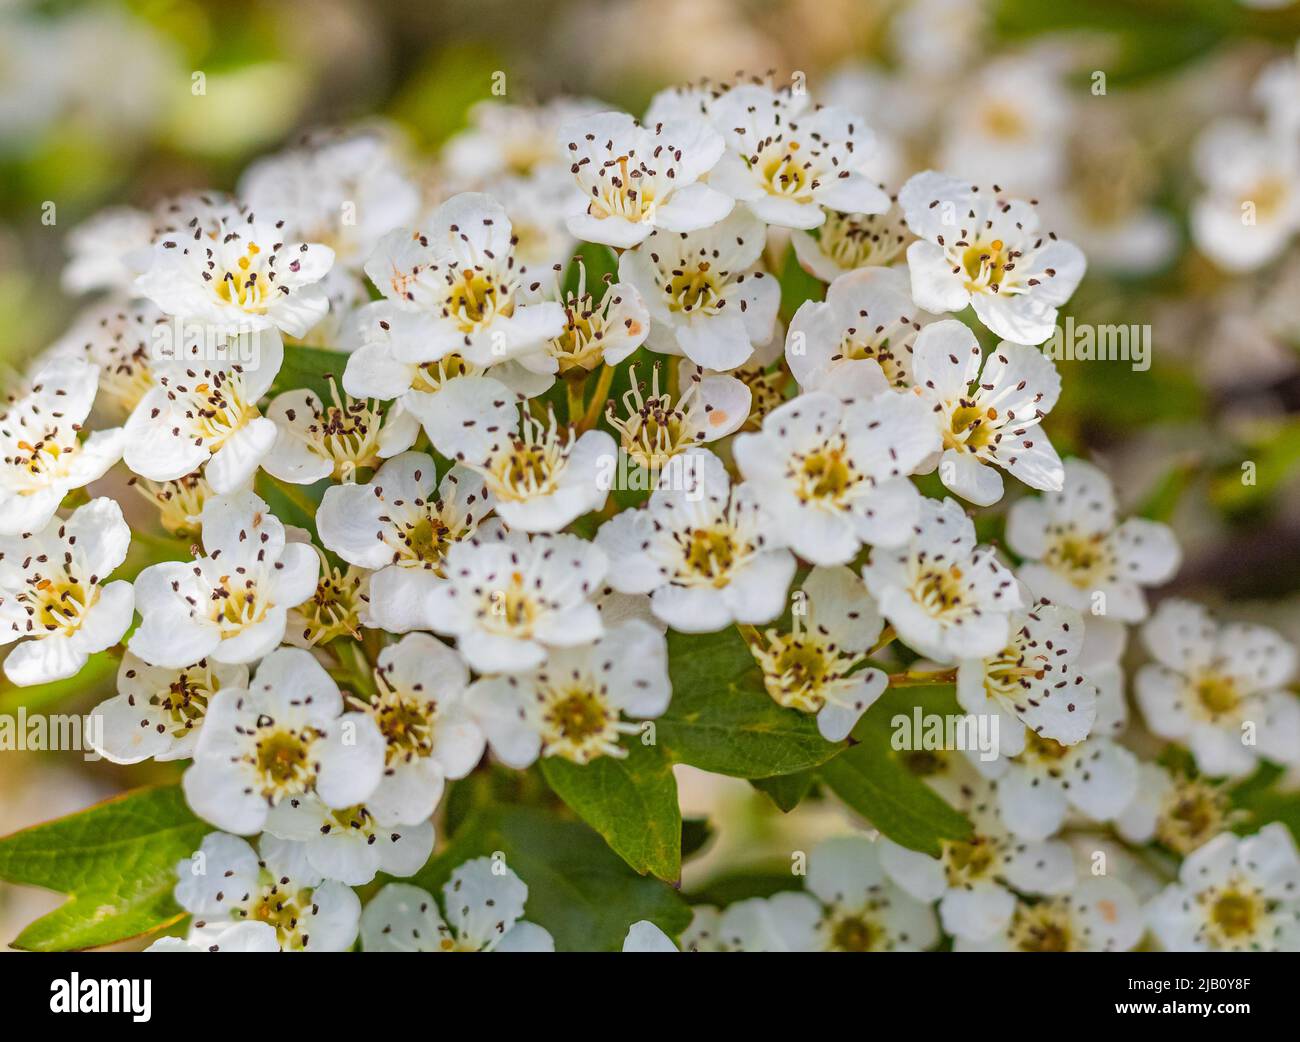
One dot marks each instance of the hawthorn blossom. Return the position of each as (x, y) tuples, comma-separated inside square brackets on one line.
[(158, 713), (1176, 810), (700, 548), (521, 140), (430, 732), (947, 599), (580, 701), (644, 936), (654, 429), (351, 844), (1234, 894), (401, 524), (636, 179), (786, 161), (1221, 689), (227, 881), (973, 879), (1101, 914), (241, 937), (785, 922), (42, 456), (241, 275), (817, 666), (706, 297), (603, 331), (482, 911), (231, 605), (204, 414), (460, 281), (1033, 687), (988, 412), (1250, 209), (509, 599), (282, 738), (540, 477), (863, 910), (979, 249), (865, 328), (831, 478), (848, 242), (53, 598), (1076, 552), (315, 441), (121, 339)]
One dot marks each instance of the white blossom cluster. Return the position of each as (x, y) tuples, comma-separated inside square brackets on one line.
[(474, 584)]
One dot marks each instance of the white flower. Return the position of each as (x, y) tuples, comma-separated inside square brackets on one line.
[(512, 139), (242, 937), (706, 298), (816, 666), (119, 338), (1034, 684), (862, 909), (483, 903), (700, 549), (232, 604), (947, 600), (1221, 689), (638, 179), (351, 844), (1009, 124), (1075, 553), (1039, 786), (605, 332), (538, 208), (384, 336), (1233, 895), (508, 599), (158, 713), (540, 477), (865, 327), (831, 478), (1178, 811), (987, 417), (1101, 914), (52, 590), (205, 414), (346, 190), (402, 524), (240, 275), (100, 247), (226, 881), (284, 737), (461, 281), (1251, 207), (846, 242), (654, 430), (580, 701), (644, 936), (785, 922), (430, 733), (787, 161), (315, 441), (973, 879), (42, 458), (980, 249), (179, 502)]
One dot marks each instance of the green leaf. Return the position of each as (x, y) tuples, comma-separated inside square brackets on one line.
[(753, 881), (797, 286), (873, 779), (630, 801), (310, 367), (786, 790), (117, 863), (722, 719), (578, 888)]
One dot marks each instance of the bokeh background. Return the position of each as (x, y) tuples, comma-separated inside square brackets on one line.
[(98, 107)]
